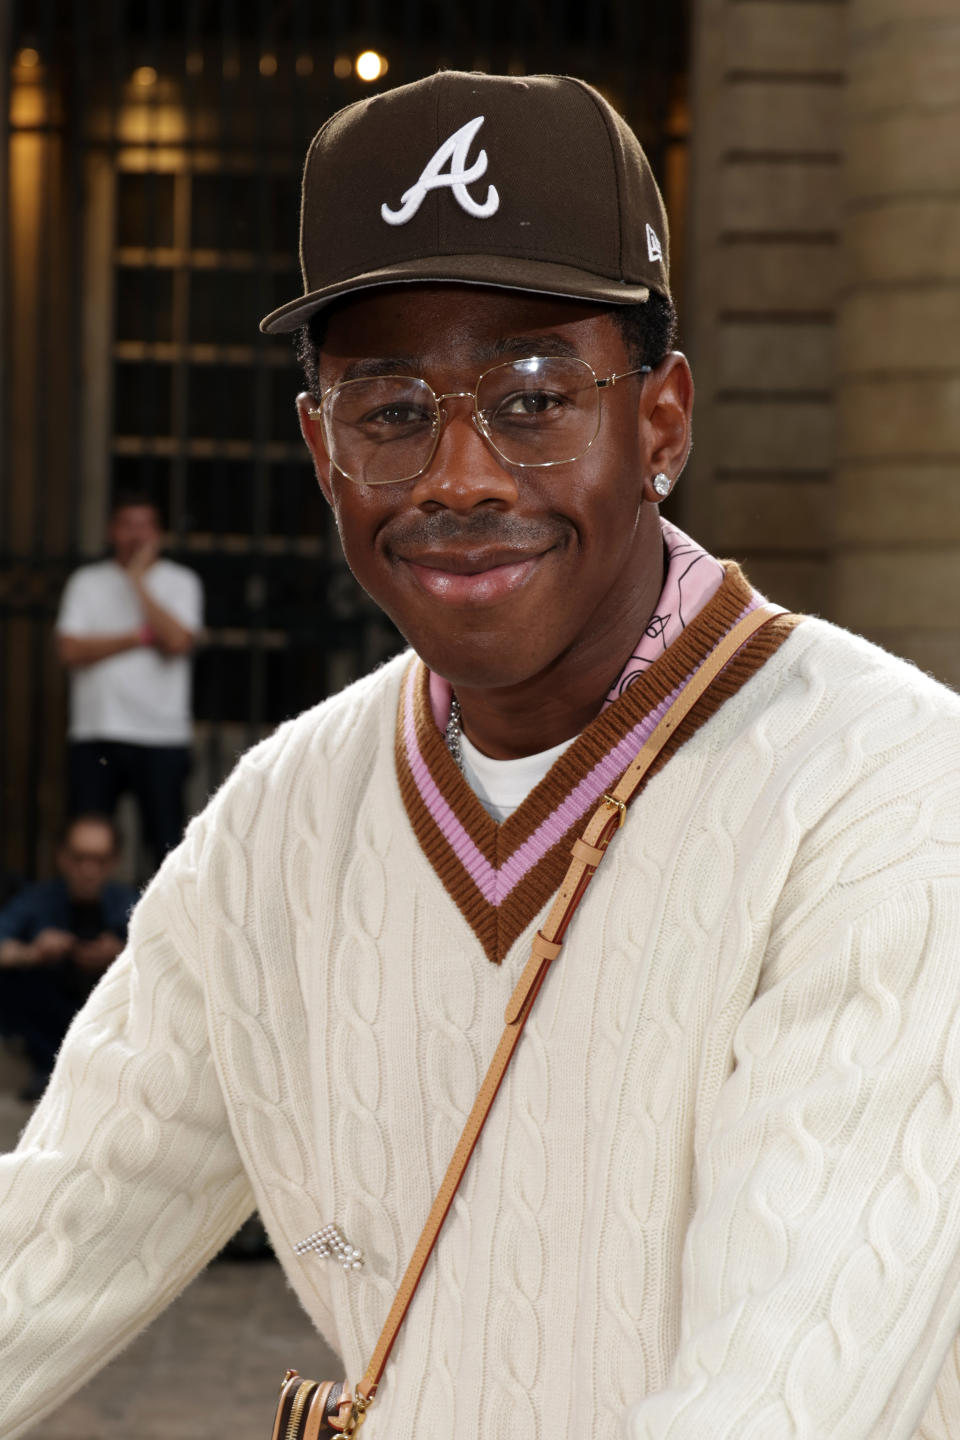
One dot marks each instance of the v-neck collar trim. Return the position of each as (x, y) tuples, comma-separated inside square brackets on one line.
[(500, 876)]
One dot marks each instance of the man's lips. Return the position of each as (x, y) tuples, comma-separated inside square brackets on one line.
[(471, 577)]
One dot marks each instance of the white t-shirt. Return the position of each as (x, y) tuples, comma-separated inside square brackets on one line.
[(502, 785), (140, 696)]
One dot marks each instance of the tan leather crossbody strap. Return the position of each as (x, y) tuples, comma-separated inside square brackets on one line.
[(588, 851)]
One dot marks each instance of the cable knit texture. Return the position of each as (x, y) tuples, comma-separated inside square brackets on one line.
[(719, 1193)]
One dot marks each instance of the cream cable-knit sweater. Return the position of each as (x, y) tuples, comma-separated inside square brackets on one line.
[(719, 1194)]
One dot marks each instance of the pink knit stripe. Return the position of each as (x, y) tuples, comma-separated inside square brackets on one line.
[(477, 866)]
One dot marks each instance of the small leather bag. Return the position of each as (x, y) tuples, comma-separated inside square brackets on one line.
[(310, 1409)]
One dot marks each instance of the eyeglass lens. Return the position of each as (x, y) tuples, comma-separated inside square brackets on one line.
[(537, 411)]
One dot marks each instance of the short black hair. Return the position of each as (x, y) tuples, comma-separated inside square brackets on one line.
[(135, 500), (649, 332)]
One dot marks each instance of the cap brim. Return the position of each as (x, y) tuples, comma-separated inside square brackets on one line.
[(503, 272)]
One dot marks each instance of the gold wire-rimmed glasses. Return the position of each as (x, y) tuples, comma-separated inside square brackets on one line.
[(534, 412)]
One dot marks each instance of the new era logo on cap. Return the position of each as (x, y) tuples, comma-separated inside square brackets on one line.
[(458, 177), (654, 248)]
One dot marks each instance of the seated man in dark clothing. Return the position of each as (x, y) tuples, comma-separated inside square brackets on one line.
[(57, 938)]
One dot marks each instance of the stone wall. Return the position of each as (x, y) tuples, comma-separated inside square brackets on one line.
[(897, 573), (768, 89), (824, 309)]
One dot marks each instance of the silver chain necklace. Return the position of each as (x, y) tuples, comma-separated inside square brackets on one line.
[(453, 733)]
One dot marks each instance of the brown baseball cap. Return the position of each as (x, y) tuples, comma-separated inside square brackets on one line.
[(527, 183)]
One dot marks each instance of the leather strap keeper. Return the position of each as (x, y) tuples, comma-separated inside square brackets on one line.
[(586, 854), (541, 953)]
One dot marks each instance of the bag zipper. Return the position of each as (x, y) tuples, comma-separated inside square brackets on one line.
[(297, 1408)]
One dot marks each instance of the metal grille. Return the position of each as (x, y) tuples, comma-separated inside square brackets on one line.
[(149, 178)]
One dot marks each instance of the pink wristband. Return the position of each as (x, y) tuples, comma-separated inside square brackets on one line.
[(147, 637)]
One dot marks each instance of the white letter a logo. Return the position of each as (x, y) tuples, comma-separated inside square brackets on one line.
[(457, 178)]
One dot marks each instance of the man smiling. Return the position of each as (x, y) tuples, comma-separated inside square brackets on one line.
[(716, 1194), (503, 577)]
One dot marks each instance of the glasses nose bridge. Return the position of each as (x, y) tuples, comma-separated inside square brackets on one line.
[(454, 395), (443, 417), (470, 395)]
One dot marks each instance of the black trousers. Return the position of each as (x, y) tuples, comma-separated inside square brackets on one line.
[(100, 771)]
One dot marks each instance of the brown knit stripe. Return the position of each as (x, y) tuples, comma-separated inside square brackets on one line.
[(442, 766), (478, 912), (497, 927)]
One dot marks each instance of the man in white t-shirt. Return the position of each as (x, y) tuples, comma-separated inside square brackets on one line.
[(125, 630)]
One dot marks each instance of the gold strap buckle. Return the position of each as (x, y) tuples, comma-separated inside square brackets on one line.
[(618, 805)]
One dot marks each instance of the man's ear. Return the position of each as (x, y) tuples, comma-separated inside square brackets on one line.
[(667, 417), (312, 431)]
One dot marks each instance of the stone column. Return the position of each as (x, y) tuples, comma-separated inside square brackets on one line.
[(897, 567), (764, 268)]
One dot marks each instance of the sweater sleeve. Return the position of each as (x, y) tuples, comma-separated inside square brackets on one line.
[(821, 1277), (127, 1180)]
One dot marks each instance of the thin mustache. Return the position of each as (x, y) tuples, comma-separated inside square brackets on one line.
[(486, 528)]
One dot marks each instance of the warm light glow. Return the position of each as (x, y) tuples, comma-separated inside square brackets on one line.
[(28, 57), (370, 65), (268, 64), (28, 107), (342, 67), (152, 114), (195, 63), (305, 65)]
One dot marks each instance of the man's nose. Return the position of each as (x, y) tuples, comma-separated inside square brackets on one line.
[(465, 470)]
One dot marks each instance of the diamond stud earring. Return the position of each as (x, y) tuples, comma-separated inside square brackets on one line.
[(662, 484)]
